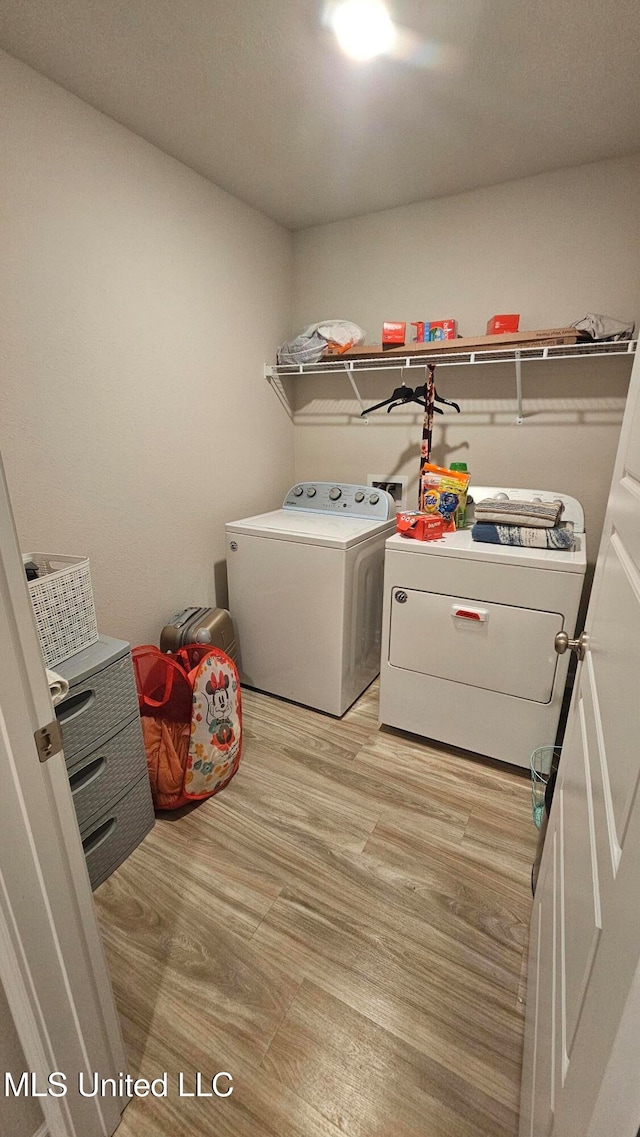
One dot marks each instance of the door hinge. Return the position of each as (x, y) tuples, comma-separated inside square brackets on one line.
[(48, 740)]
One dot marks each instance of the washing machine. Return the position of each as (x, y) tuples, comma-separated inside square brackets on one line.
[(305, 592), (468, 632)]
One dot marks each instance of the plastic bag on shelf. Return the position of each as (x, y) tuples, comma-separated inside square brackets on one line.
[(310, 345)]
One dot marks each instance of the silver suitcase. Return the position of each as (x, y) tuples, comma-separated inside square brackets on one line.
[(211, 626)]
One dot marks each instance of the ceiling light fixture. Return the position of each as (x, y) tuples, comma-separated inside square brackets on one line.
[(363, 28)]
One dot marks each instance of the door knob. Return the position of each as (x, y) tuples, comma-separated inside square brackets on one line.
[(563, 643)]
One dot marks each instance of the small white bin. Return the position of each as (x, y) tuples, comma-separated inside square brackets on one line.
[(62, 600)]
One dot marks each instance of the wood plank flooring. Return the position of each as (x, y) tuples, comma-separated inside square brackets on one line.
[(342, 929)]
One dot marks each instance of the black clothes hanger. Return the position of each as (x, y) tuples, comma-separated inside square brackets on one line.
[(420, 398), (438, 398), (412, 396), (447, 402), (401, 395)]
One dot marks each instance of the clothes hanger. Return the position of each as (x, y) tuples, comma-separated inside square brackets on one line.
[(419, 391), (400, 395), (416, 396), (447, 402), (403, 395)]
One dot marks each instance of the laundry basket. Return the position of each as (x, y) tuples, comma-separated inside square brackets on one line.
[(62, 600), (541, 766)]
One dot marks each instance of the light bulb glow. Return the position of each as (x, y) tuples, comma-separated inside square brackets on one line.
[(363, 28)]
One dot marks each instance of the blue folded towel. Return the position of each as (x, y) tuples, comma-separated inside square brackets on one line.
[(560, 537)]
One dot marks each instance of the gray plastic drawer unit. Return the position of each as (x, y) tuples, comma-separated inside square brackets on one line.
[(105, 755), (102, 696), (105, 772), (110, 838)]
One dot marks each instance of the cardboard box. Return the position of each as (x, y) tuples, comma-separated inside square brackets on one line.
[(500, 324), (393, 333), (420, 526), (442, 330), (547, 337)]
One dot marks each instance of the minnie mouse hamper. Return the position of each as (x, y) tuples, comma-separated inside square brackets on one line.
[(191, 710)]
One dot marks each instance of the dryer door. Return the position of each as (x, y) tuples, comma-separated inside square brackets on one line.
[(493, 646)]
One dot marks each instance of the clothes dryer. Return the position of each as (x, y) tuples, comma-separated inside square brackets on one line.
[(468, 655)]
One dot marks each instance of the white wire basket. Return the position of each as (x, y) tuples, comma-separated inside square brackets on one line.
[(62, 600)]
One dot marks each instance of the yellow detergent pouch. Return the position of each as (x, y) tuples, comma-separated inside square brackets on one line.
[(444, 492)]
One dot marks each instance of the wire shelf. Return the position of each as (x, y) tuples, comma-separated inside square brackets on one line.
[(453, 358), (349, 367)]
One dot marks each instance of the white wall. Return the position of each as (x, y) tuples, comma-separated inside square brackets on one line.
[(19, 1117), (132, 426), (138, 304), (552, 248)]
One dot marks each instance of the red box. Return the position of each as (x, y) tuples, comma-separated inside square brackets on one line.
[(421, 526), (499, 324), (393, 333), (443, 329)]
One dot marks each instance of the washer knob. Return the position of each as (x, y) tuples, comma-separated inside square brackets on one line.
[(311, 492), (335, 493), (374, 499), (298, 491), (359, 496)]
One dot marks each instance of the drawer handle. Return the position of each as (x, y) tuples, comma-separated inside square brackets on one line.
[(75, 705), (99, 836), (81, 778), (480, 615)]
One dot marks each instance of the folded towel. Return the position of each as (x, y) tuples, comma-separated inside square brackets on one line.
[(560, 537), (58, 687), (537, 514)]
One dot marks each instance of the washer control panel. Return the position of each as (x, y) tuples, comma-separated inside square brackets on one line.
[(341, 498)]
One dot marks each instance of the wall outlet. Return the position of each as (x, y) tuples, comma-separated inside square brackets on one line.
[(395, 484)]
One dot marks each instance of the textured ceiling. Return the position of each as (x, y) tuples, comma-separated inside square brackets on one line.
[(255, 95)]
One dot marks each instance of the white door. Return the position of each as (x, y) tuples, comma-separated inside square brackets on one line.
[(52, 965), (582, 995)]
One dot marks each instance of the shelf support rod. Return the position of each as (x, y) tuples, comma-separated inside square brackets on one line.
[(520, 416), (349, 371), (277, 385)]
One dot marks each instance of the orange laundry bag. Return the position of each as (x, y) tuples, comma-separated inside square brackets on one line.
[(191, 709)]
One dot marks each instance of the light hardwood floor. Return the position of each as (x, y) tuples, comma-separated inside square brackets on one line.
[(342, 929)]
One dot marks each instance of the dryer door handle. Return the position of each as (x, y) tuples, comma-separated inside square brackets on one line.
[(480, 615)]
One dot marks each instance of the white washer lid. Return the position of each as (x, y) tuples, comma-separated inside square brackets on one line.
[(311, 528), (460, 545)]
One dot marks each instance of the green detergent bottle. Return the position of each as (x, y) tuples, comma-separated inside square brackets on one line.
[(461, 512)]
